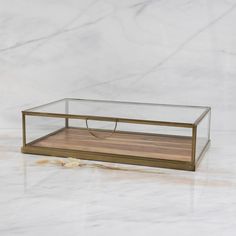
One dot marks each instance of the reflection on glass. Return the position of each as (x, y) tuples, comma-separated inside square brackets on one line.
[(203, 135)]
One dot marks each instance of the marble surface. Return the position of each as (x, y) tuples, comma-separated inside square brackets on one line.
[(162, 51), (112, 199)]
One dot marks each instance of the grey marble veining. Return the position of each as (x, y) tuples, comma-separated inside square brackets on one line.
[(116, 199), (179, 52), (162, 51)]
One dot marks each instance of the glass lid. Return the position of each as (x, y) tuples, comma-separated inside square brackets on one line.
[(121, 110)]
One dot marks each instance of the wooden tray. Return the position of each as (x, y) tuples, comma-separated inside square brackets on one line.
[(150, 149)]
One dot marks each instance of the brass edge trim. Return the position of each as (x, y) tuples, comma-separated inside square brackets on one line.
[(124, 120), (50, 149), (200, 118), (23, 130), (107, 158), (67, 112), (194, 143)]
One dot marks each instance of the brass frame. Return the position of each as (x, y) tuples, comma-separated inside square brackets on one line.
[(126, 159)]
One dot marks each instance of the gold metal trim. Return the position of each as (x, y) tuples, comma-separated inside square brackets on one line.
[(165, 123), (125, 159), (123, 120), (194, 144), (191, 165), (67, 112), (23, 129)]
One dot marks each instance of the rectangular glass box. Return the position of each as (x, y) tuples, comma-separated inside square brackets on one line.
[(157, 135)]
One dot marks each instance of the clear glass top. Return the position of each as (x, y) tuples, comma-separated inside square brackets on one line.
[(122, 110)]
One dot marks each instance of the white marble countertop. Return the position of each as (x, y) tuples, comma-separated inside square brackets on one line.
[(113, 199), (174, 52)]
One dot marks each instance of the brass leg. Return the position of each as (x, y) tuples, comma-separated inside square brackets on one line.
[(66, 122), (66, 111), (23, 130), (194, 143)]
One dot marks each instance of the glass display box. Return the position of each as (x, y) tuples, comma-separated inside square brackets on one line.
[(157, 135)]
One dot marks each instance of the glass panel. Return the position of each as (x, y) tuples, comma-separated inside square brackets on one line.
[(38, 126), (203, 135), (148, 141), (137, 111)]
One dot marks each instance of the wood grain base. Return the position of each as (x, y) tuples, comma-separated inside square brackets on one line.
[(124, 147)]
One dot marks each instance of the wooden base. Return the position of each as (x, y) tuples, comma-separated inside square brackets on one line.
[(123, 147)]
